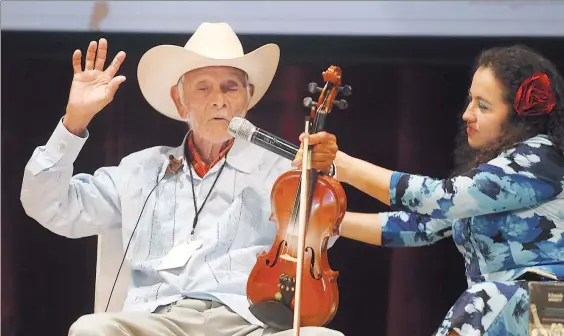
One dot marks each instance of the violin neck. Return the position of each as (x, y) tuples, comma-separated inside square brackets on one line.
[(311, 174), (318, 123)]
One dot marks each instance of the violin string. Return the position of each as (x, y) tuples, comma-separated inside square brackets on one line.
[(295, 211), (297, 203), (291, 228)]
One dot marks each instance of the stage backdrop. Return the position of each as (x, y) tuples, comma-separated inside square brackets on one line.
[(348, 18), (408, 94)]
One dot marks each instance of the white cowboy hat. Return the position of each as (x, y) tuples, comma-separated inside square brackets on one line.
[(212, 44)]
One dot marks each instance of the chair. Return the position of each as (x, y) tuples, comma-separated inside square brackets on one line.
[(109, 256)]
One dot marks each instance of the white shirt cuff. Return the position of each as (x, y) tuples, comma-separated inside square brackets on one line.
[(63, 146)]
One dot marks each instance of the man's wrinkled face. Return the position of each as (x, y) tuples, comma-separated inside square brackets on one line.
[(208, 98)]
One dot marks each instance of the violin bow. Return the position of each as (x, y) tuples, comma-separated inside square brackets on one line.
[(304, 192)]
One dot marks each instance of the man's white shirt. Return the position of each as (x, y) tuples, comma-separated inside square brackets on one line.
[(233, 226)]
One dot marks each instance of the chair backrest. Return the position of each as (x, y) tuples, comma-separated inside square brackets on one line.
[(110, 254)]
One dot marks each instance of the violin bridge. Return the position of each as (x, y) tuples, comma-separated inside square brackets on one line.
[(288, 257)]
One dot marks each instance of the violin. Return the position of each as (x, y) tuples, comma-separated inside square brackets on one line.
[(292, 285)]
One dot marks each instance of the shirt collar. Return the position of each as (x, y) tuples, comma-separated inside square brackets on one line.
[(243, 155), (199, 165)]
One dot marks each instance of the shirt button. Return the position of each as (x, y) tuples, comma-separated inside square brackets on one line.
[(146, 300), (62, 146)]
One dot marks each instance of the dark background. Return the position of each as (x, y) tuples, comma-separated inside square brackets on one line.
[(408, 94)]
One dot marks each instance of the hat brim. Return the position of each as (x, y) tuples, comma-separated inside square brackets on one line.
[(161, 67)]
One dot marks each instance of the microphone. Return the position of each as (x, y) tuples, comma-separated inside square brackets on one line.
[(241, 128)]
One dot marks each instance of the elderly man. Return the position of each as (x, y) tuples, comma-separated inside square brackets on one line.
[(191, 228)]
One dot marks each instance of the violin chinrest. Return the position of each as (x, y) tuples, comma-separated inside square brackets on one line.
[(273, 314)]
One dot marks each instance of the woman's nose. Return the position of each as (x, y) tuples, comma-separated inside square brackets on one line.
[(468, 115)]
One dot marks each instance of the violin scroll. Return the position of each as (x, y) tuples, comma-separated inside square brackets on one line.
[(328, 93)]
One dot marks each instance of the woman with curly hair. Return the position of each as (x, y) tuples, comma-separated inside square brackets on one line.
[(504, 206)]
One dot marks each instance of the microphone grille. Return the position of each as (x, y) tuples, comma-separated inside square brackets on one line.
[(240, 128)]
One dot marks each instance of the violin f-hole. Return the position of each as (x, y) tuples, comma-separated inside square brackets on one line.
[(277, 254), (312, 266)]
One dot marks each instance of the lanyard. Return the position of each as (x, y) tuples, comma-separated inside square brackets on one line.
[(196, 210)]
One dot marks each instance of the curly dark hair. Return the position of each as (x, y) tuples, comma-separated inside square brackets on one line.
[(511, 66)]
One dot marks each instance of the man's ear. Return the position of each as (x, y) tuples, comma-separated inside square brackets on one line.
[(251, 89), (175, 95)]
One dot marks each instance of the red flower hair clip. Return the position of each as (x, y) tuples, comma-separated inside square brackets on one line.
[(535, 96)]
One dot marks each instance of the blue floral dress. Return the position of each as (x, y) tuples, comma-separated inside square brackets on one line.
[(507, 219)]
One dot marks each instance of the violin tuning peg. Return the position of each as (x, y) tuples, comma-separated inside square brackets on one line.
[(346, 90), (313, 88), (341, 104), (308, 102)]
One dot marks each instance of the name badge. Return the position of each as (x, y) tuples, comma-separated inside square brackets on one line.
[(179, 255)]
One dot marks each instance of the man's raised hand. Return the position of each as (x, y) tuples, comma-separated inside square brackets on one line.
[(93, 87)]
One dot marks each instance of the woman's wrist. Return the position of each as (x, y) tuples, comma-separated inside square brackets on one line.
[(342, 165)]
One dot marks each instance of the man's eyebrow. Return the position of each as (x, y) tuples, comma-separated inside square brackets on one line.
[(200, 82), (233, 81)]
